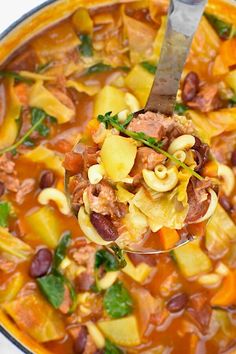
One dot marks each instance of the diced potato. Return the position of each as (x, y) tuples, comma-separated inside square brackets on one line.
[(109, 99), (44, 224), (192, 260), (36, 317), (231, 79), (118, 155), (49, 158), (139, 81), (123, 331), (123, 195), (82, 21), (139, 273), (14, 246), (10, 289)]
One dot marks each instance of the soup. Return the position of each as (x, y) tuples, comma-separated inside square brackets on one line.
[(59, 289)]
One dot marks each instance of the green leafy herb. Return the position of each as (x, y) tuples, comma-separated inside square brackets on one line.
[(149, 67), (5, 210), (111, 348), (180, 108), (29, 142), (41, 68), (15, 76), (86, 48), (107, 119), (37, 115), (117, 301), (61, 249), (225, 30), (119, 254), (98, 68), (173, 257), (106, 259), (53, 288)]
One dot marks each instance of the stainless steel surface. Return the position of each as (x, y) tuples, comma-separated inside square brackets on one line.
[(183, 20)]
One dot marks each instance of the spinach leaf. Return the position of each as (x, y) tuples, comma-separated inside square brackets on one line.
[(225, 30), (15, 76), (86, 48), (149, 67), (119, 254), (98, 68), (61, 249), (117, 301), (5, 210), (36, 115), (53, 288), (105, 258), (111, 348), (180, 108)]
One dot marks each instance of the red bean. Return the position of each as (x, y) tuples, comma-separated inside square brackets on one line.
[(47, 179), (2, 189), (177, 302), (233, 158), (81, 340), (41, 263), (190, 87), (104, 226)]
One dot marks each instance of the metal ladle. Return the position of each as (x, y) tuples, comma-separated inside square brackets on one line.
[(182, 22)]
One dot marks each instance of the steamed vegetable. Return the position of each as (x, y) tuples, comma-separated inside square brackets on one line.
[(5, 210), (53, 288), (226, 295), (13, 246), (139, 273), (86, 48), (10, 289), (107, 260), (117, 301), (36, 318), (168, 237), (109, 98)]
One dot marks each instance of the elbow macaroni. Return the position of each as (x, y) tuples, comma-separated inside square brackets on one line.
[(183, 142), (161, 185), (57, 196), (228, 183)]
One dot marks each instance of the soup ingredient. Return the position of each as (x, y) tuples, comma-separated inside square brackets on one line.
[(86, 48), (104, 258), (180, 108), (14, 246), (61, 250), (233, 158), (57, 196), (192, 260), (47, 179), (96, 335), (53, 288), (109, 98), (98, 68), (118, 166), (2, 189), (139, 272), (104, 226), (149, 67), (110, 348), (190, 87), (122, 331), (82, 21), (41, 263), (44, 224), (168, 237), (35, 317), (177, 302), (11, 288), (14, 75), (37, 115), (5, 210), (226, 296), (117, 301), (225, 30), (81, 340)]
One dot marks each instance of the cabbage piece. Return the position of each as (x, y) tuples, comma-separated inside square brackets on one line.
[(10, 289), (109, 99), (223, 327), (81, 87), (136, 223), (139, 81), (49, 158), (231, 79), (166, 210), (220, 232), (182, 195), (192, 260), (9, 129), (223, 119), (222, 9), (45, 226), (36, 317), (141, 37), (42, 98), (14, 246)]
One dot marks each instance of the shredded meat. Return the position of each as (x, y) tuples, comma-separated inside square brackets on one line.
[(6, 266), (66, 304), (8, 174), (85, 256), (200, 311), (146, 158), (25, 188), (25, 61), (77, 187), (201, 153), (207, 99), (84, 281), (62, 97)]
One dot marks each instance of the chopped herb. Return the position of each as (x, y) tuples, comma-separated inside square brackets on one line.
[(52, 120), (61, 249), (5, 210), (107, 119), (128, 120), (172, 256), (117, 301), (119, 253), (53, 288), (86, 48), (225, 30), (180, 108), (111, 348), (106, 259), (98, 68), (232, 101), (149, 67), (14, 75), (36, 115), (41, 68), (29, 142)]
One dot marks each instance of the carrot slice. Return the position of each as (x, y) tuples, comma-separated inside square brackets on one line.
[(168, 237), (226, 295)]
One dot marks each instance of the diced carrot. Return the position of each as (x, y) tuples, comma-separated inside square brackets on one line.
[(73, 162), (197, 229), (228, 52), (168, 237), (60, 184), (210, 169), (22, 92), (226, 295)]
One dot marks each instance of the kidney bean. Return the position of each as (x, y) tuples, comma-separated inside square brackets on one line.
[(41, 263), (81, 340), (104, 226), (233, 158), (47, 179), (84, 281), (190, 87), (2, 189), (225, 203), (177, 302)]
